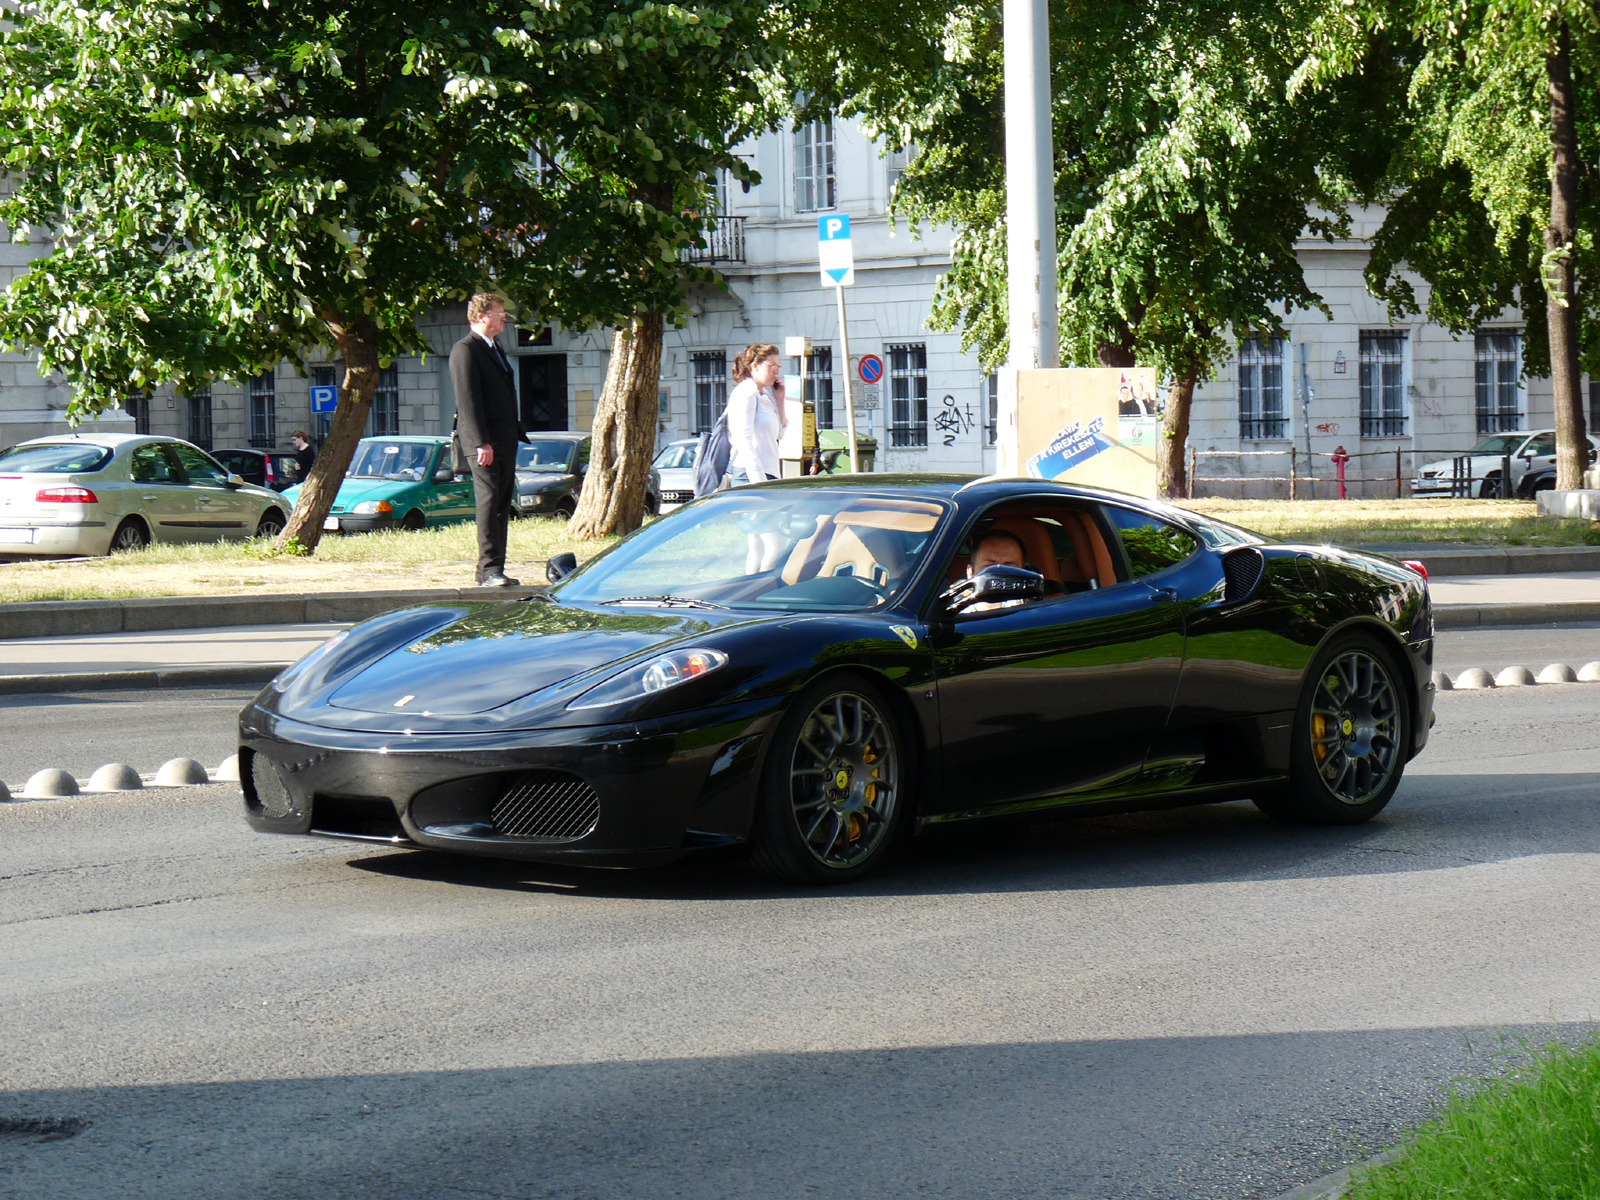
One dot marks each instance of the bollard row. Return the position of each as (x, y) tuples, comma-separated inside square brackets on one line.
[(1476, 678), (53, 783)]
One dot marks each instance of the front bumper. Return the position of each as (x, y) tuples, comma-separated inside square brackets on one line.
[(661, 789), (359, 523)]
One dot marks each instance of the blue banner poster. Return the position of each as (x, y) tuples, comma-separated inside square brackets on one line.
[(1075, 444)]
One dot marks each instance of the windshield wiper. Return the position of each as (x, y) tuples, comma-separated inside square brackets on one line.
[(686, 601)]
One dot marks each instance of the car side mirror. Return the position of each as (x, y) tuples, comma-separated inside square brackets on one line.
[(559, 567), (235, 481), (993, 585), (444, 475)]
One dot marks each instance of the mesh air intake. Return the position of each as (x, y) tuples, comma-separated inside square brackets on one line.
[(1241, 567), (546, 804)]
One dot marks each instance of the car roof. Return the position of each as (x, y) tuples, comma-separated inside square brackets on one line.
[(111, 441), (426, 439), (981, 489), (565, 435)]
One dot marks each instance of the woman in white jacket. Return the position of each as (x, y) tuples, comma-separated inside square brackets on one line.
[(756, 418)]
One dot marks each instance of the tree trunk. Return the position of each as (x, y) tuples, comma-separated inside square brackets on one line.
[(358, 343), (624, 434), (1111, 354), (1558, 268), (1170, 461)]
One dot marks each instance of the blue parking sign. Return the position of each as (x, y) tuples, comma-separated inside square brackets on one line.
[(324, 398)]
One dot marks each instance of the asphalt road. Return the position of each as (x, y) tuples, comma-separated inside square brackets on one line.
[(1188, 1005), (79, 732)]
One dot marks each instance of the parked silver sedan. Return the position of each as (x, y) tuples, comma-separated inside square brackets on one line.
[(98, 493)]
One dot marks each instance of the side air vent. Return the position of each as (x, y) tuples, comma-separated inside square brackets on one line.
[(263, 790), (1242, 568), (546, 804)]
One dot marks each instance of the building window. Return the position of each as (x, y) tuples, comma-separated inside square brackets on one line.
[(1499, 380), (1261, 389), (386, 403), (908, 395), (263, 411), (137, 406), (198, 402), (819, 384), (321, 422), (710, 371), (991, 407), (1383, 383), (895, 164), (813, 166)]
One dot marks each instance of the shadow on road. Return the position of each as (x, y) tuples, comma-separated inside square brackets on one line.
[(1436, 822)]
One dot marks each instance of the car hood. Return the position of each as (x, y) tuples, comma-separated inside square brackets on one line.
[(503, 652), (354, 491)]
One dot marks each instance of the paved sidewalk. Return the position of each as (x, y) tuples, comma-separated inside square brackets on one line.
[(226, 646), (1570, 587)]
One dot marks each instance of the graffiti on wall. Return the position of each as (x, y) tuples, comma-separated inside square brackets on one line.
[(952, 420)]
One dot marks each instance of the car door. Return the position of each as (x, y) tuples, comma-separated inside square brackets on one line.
[(451, 501), (1056, 701), (159, 493), (221, 510)]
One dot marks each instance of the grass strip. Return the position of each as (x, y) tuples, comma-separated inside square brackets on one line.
[(1531, 1135)]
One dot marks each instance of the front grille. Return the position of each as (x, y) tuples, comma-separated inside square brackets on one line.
[(677, 497), (546, 804), (1242, 570), (263, 789)]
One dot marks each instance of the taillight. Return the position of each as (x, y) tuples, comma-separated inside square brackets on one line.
[(269, 468), (67, 495), (1416, 566)]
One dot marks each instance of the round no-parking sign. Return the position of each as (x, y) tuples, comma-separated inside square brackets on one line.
[(870, 368)]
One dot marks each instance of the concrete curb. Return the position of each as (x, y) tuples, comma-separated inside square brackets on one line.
[(1495, 560), (1331, 1187), (162, 677), (1480, 616), (76, 618)]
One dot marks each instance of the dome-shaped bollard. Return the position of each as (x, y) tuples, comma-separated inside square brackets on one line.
[(1517, 676), (1441, 682), (1589, 673), (114, 777), (228, 772), (50, 784), (180, 771), (1474, 679), (1558, 673)]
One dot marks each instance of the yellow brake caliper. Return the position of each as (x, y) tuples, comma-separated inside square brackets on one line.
[(1319, 731)]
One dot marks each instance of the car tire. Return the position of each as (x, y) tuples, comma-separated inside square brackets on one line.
[(271, 524), (1489, 489), (132, 534), (1350, 739), (810, 829), (566, 508), (414, 520)]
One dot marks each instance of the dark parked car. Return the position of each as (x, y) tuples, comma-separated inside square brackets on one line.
[(805, 669), (275, 469), (551, 468)]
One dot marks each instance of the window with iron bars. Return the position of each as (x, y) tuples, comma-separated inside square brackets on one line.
[(819, 384), (1383, 383), (1499, 366), (908, 395), (198, 403), (991, 407), (813, 166), (137, 406), (263, 411), (1261, 389), (386, 403), (709, 374), (895, 164)]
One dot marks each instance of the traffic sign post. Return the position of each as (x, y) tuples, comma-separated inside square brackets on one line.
[(870, 368), (324, 398), (837, 259)]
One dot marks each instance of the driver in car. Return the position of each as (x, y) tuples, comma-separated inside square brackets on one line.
[(997, 548)]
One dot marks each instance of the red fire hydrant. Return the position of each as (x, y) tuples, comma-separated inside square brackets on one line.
[(1339, 458)]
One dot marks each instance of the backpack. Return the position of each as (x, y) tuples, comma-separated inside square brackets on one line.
[(711, 458)]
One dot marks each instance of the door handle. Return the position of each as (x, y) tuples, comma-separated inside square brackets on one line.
[(147, 497), (1164, 593)]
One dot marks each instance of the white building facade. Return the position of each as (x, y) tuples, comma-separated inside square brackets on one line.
[(1374, 387)]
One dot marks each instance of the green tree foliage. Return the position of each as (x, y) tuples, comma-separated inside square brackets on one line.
[(1490, 183), (1185, 171), (231, 184)]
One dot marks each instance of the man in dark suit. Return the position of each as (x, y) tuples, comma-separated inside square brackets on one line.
[(487, 423)]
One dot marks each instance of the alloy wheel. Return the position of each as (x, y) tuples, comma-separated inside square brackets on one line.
[(129, 536), (1355, 727), (844, 780)]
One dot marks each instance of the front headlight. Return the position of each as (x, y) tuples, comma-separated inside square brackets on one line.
[(281, 682), (657, 675), (367, 507)]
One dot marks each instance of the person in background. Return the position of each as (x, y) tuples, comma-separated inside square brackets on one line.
[(486, 412), (304, 455), (756, 421)]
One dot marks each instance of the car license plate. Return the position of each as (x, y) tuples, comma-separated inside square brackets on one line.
[(330, 522), (16, 537)]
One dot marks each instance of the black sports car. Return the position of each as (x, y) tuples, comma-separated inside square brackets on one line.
[(811, 669)]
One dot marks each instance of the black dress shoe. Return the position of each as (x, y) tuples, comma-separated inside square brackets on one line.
[(499, 581)]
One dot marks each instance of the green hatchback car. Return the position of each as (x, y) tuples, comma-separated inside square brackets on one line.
[(398, 483)]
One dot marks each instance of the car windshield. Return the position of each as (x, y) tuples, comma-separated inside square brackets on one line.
[(377, 459), (546, 454), (812, 550), (677, 456), (62, 458), (1500, 443), (1217, 534)]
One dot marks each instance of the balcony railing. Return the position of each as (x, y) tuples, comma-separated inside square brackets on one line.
[(1503, 421), (1259, 429), (724, 243), (1384, 426)]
